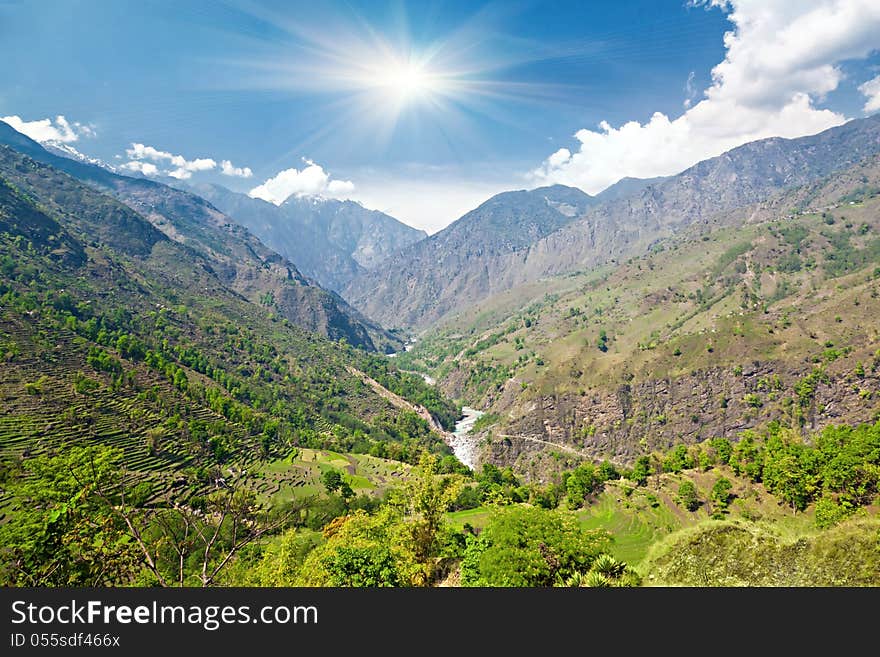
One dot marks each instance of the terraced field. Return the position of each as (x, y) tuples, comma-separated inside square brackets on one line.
[(68, 402), (299, 475)]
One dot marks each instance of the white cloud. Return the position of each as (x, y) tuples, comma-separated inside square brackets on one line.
[(58, 130), (781, 58), (227, 169), (186, 168), (177, 165), (559, 158), (871, 90), (145, 168), (311, 180), (340, 188), (690, 91), (141, 152)]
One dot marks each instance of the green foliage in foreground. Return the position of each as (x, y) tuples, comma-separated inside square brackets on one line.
[(72, 525), (62, 533), (838, 468), (529, 546), (739, 554), (406, 542)]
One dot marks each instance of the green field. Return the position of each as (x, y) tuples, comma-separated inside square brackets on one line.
[(632, 522), (299, 475), (476, 518)]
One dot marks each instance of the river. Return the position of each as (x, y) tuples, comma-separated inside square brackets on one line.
[(463, 445)]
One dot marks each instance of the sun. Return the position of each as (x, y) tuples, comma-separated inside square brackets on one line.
[(405, 80), (373, 82)]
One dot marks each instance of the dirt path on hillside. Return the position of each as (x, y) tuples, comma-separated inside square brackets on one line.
[(399, 401), (532, 439)]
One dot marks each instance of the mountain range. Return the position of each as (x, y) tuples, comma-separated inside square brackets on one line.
[(518, 237), (238, 258), (709, 337), (767, 313), (123, 330), (330, 241), (459, 265)]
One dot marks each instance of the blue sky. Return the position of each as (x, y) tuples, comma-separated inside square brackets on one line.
[(424, 109)]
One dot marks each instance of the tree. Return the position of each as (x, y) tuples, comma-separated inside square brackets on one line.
[(282, 558), (784, 474), (607, 471), (641, 470), (346, 492), (331, 480), (490, 474), (829, 512), (748, 457), (721, 493), (580, 482), (428, 497), (530, 546), (61, 531), (362, 566), (182, 544), (363, 550), (678, 459), (602, 342), (688, 495)]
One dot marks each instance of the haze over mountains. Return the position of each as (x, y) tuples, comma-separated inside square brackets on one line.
[(519, 237), (767, 315), (119, 331), (331, 241), (458, 265), (401, 278)]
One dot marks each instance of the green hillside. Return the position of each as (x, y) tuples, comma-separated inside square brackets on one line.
[(709, 333), (111, 334), (160, 428), (769, 510)]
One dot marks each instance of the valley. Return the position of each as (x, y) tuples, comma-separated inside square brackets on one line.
[(711, 333), (697, 378)]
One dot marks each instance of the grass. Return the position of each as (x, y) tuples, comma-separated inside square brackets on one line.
[(299, 475), (632, 522), (740, 553), (476, 518), (650, 515)]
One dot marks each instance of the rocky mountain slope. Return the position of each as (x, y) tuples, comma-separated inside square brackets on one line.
[(768, 314), (239, 259), (458, 265), (447, 274), (627, 187), (331, 241)]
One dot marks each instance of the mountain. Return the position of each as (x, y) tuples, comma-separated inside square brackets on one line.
[(112, 333), (331, 241), (456, 266), (627, 187), (768, 315), (68, 151), (242, 262), (148, 405), (424, 283)]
